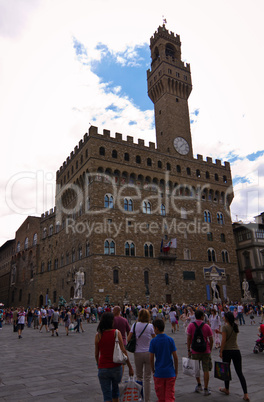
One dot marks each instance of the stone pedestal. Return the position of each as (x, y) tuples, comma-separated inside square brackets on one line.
[(216, 301), (248, 300)]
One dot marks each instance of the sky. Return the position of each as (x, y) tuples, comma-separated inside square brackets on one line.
[(69, 64)]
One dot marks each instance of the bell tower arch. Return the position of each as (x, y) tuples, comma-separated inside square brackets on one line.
[(169, 87)]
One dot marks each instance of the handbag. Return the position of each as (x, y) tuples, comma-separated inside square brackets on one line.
[(222, 371), (118, 355), (190, 367), (130, 391), (131, 346)]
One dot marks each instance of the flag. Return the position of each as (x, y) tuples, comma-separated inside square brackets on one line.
[(173, 243), (166, 247)]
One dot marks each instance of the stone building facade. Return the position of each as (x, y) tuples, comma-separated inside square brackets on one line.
[(6, 253), (119, 203), (249, 240)]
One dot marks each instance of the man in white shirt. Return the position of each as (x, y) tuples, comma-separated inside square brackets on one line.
[(240, 310)]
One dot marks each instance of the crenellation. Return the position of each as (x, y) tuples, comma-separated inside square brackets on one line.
[(199, 157), (218, 162), (227, 165), (130, 139), (141, 142), (152, 145), (106, 133), (93, 130), (119, 137), (209, 159)]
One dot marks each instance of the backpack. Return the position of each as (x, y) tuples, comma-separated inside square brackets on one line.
[(198, 342)]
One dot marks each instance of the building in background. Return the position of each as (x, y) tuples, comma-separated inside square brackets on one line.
[(250, 254), (145, 223)]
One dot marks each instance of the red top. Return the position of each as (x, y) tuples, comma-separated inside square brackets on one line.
[(262, 330), (106, 349)]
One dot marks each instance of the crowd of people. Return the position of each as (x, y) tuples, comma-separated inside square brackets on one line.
[(155, 352)]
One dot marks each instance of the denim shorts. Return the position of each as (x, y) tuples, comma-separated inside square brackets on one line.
[(109, 379)]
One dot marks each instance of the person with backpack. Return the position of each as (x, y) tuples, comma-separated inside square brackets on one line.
[(199, 344)]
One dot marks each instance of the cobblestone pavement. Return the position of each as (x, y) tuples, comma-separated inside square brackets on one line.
[(40, 367)]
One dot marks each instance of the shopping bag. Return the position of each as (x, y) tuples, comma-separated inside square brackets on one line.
[(118, 355), (190, 367), (130, 391), (222, 371)]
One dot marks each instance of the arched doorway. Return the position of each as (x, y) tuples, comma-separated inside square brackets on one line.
[(40, 301)]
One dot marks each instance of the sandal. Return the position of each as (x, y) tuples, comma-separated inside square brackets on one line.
[(225, 391), (246, 398)]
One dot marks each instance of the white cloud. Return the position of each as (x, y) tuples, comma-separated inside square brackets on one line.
[(48, 97)]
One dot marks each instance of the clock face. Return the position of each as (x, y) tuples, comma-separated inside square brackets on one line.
[(181, 145)]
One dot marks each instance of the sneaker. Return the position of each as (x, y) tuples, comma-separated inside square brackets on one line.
[(198, 388), (207, 392)]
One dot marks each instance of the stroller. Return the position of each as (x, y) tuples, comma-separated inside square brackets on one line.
[(259, 347)]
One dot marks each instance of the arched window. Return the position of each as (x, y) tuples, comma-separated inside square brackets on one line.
[(62, 260), (148, 250), (167, 279), (159, 164), (126, 156), (222, 237), (162, 210), (44, 233), (128, 204), (138, 159), (211, 254), (207, 216), (225, 256), (26, 243), (178, 168), (168, 166), (67, 258), (149, 162), (109, 247), (207, 175), (198, 173), (51, 230), (115, 276), (188, 171), (114, 153), (35, 239), (108, 201), (56, 263), (127, 248), (49, 266), (18, 247), (102, 151), (130, 248), (209, 236), (224, 179), (57, 227), (170, 50), (220, 218), (146, 207), (216, 177)]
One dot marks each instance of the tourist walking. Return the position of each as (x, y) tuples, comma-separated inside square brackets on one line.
[(109, 373), (44, 319), (21, 319), (144, 333), (55, 321), (240, 312), (165, 369), (173, 319), (67, 321), (204, 357), (229, 351), (215, 324)]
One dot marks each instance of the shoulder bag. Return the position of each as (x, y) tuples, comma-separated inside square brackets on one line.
[(118, 355)]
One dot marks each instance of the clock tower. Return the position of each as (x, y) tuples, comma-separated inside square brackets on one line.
[(169, 86)]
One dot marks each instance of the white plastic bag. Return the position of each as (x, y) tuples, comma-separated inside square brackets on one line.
[(118, 355), (130, 391), (190, 367)]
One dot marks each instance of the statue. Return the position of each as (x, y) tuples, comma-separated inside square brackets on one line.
[(62, 301), (245, 288), (215, 290), (79, 282)]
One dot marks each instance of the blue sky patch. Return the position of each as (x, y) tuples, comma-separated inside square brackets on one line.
[(126, 70), (79, 48), (240, 179), (255, 155)]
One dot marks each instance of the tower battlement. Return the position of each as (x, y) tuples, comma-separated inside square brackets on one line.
[(163, 32)]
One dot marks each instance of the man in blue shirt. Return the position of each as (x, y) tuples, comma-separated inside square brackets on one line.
[(166, 363)]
